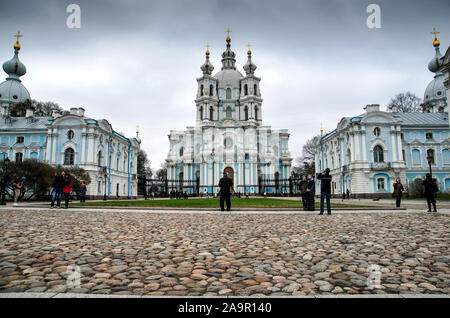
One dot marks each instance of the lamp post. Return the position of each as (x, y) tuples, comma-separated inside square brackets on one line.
[(105, 174), (5, 175), (430, 159)]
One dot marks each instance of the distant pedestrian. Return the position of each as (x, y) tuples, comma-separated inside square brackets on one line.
[(348, 194), (431, 189), (325, 190), (17, 186), (152, 195), (398, 191), (225, 184), (310, 192), (303, 186), (67, 189), (83, 191), (57, 186)]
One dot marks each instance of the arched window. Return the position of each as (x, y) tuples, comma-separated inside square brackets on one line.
[(19, 157), (256, 112), (245, 89), (446, 156), (181, 151), (246, 112), (211, 112), (255, 89), (201, 90), (228, 93), (69, 156), (378, 155), (70, 134), (430, 153), (228, 112), (416, 157), (376, 131), (201, 112), (99, 158), (211, 90)]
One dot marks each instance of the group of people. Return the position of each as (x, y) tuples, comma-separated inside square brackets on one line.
[(307, 189), (62, 188), (430, 190), (178, 195)]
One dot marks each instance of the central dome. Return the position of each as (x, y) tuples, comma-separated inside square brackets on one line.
[(228, 78)]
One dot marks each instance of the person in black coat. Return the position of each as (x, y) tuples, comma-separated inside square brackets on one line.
[(225, 184), (430, 191), (325, 190), (310, 192), (57, 185)]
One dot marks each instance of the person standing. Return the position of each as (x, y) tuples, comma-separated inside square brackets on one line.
[(430, 191), (17, 186), (398, 190), (225, 185), (348, 194), (310, 193), (303, 186), (325, 190), (83, 191), (57, 191), (67, 189)]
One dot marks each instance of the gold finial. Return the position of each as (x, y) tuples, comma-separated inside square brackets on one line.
[(137, 129), (249, 51), (207, 48), (436, 42), (321, 129), (17, 44), (228, 31)]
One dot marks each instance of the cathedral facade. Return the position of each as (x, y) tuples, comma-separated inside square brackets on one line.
[(229, 135), (68, 139), (367, 152)]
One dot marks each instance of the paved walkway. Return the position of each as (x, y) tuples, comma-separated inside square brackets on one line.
[(245, 253)]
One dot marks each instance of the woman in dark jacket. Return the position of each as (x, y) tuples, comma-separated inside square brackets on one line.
[(430, 191), (311, 191), (398, 190), (67, 188)]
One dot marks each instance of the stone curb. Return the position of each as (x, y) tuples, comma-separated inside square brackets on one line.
[(74, 295)]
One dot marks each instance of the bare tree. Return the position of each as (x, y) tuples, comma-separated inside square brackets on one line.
[(405, 103), (305, 164)]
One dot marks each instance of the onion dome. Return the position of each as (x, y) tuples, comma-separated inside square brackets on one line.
[(11, 90), (249, 67), (207, 67), (436, 88), (229, 76)]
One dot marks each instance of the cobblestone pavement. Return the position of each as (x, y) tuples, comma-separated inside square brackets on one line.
[(221, 254)]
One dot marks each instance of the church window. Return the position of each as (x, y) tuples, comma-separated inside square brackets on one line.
[(15, 96), (416, 157), (228, 112), (376, 131), (20, 139), (34, 155), (201, 90), (439, 93), (211, 90), (429, 136), (228, 143), (69, 156), (378, 155), (446, 156), (99, 158), (255, 89), (380, 184), (246, 89), (19, 156), (201, 112), (256, 112), (246, 112), (349, 156), (181, 151), (99, 187), (70, 134), (403, 155), (117, 163), (430, 154), (228, 93), (211, 113)]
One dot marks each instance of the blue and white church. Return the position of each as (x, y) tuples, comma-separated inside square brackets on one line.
[(229, 135), (68, 139), (367, 152)]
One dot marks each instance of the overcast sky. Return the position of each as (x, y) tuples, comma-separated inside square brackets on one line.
[(136, 62)]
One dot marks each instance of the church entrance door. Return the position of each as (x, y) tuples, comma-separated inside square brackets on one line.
[(230, 173)]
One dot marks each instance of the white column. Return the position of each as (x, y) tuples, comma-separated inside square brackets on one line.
[(399, 146), (49, 147), (83, 146), (55, 136), (394, 146), (364, 148)]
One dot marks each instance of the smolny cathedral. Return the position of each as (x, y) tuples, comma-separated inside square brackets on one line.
[(367, 152), (67, 140), (229, 135)]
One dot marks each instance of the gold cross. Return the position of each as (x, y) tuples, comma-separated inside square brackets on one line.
[(18, 35), (249, 46), (434, 32), (137, 129), (228, 31), (207, 46)]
